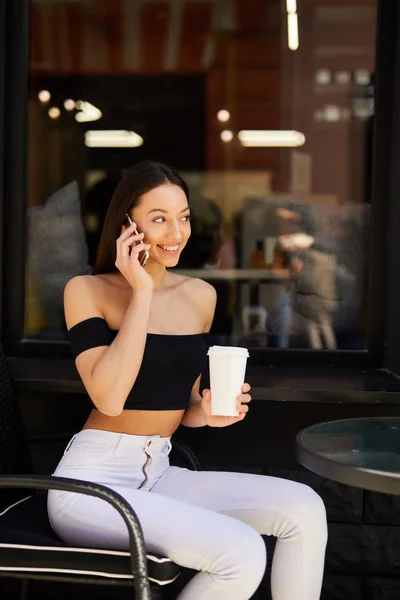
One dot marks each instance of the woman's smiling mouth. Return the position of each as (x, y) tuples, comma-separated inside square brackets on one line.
[(169, 249)]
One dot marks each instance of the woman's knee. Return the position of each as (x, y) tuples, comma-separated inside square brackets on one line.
[(233, 569), (244, 562), (309, 512)]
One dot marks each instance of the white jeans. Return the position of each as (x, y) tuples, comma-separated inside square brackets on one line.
[(207, 521)]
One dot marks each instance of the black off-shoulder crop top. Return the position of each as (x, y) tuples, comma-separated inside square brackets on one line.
[(170, 366)]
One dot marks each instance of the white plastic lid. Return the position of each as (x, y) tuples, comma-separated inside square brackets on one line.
[(228, 350)]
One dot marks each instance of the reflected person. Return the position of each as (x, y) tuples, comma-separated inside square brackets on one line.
[(313, 280)]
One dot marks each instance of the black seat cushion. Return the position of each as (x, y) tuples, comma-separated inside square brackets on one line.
[(28, 543)]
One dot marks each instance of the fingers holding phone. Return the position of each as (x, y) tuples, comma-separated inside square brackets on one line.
[(131, 255), (140, 248), (141, 252), (128, 240)]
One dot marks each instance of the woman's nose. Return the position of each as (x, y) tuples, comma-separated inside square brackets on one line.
[(175, 232)]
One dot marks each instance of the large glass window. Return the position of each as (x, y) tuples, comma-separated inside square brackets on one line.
[(265, 107)]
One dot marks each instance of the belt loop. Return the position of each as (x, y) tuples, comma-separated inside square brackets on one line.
[(69, 443), (167, 446), (120, 439)]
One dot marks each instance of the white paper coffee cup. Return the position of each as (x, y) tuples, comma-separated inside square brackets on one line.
[(227, 373)]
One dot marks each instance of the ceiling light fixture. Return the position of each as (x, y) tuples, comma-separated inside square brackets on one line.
[(87, 112), (223, 115), (115, 138), (293, 31), (331, 113), (44, 96), (226, 135), (362, 76), (270, 138), (292, 24), (54, 112), (69, 104), (291, 6), (322, 77)]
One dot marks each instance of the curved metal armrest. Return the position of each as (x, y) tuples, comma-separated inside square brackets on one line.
[(136, 542)]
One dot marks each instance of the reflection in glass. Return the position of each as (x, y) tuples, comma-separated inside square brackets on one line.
[(280, 224)]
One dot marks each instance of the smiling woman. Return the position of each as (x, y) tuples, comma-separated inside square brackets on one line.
[(142, 372), (167, 228), (156, 199)]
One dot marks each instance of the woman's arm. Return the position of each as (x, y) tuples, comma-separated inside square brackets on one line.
[(198, 413), (108, 372), (206, 297)]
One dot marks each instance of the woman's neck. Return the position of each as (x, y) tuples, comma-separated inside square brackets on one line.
[(157, 272)]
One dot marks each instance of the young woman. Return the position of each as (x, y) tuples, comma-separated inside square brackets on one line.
[(137, 337)]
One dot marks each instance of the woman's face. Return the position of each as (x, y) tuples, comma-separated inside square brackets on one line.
[(163, 216)]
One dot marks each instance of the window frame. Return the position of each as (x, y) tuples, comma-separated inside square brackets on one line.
[(13, 137), (2, 145)]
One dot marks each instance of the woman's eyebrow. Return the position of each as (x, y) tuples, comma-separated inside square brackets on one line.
[(164, 211)]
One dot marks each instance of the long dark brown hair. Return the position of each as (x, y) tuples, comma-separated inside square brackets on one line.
[(138, 180)]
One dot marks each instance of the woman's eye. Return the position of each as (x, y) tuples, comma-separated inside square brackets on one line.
[(162, 219)]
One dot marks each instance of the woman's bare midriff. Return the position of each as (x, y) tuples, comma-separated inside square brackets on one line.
[(137, 422)]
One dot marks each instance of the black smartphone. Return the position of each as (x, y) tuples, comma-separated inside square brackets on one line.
[(144, 255)]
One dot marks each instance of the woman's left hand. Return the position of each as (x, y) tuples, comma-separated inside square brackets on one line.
[(218, 421)]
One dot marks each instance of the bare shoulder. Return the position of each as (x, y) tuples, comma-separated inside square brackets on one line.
[(83, 298), (196, 288), (202, 290), (87, 285), (204, 297)]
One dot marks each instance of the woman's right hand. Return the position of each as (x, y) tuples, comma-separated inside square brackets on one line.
[(129, 245)]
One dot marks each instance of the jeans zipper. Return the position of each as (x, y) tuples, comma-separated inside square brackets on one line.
[(144, 470)]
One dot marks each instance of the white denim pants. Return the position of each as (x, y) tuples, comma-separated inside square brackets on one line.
[(207, 521)]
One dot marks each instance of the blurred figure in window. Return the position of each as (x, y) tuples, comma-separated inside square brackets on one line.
[(313, 280)]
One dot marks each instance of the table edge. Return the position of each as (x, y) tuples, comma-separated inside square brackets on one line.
[(328, 468)]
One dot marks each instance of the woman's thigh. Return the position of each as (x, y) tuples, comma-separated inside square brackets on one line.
[(190, 535), (266, 503)]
